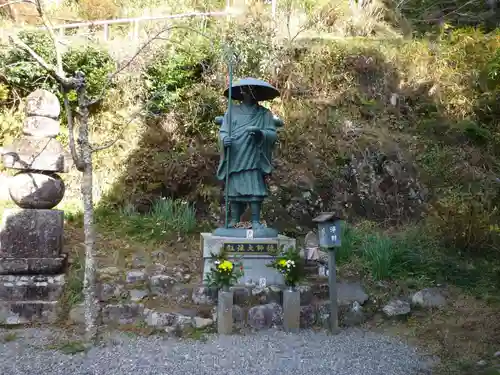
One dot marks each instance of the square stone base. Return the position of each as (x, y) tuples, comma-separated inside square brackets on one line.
[(255, 254), (32, 266), (31, 233), (27, 312), (31, 288)]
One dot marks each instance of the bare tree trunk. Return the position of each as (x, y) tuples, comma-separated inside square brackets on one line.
[(89, 283), (90, 279)]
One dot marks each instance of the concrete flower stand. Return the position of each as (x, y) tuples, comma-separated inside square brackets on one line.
[(225, 312), (291, 310)]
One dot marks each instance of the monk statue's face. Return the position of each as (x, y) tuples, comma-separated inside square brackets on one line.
[(248, 97)]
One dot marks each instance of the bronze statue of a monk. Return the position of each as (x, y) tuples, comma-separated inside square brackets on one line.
[(250, 148)]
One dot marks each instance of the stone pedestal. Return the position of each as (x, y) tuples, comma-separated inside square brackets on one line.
[(25, 299), (254, 253), (31, 237)]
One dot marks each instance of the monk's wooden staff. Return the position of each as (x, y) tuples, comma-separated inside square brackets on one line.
[(230, 127)]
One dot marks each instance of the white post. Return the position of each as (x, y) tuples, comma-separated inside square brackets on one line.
[(228, 6), (274, 7), (106, 32), (136, 30)]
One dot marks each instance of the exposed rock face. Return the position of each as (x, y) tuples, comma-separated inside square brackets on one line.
[(375, 183)]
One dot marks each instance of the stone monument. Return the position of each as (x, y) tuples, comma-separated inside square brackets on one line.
[(31, 237), (248, 133)]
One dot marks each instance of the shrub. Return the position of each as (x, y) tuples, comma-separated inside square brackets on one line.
[(170, 75), (463, 222), (95, 63), (10, 127), (22, 75)]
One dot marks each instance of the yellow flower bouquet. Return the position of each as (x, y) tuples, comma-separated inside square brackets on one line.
[(290, 265), (224, 273)]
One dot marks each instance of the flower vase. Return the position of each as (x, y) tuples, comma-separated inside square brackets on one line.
[(225, 312), (291, 310)]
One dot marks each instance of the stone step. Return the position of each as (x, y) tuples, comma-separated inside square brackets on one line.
[(31, 288), (26, 312), (32, 266)]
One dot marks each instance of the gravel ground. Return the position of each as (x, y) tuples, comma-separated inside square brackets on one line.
[(351, 352)]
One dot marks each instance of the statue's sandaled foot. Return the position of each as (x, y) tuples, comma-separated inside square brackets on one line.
[(256, 225)]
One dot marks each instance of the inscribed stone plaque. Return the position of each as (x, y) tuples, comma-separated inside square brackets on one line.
[(254, 253)]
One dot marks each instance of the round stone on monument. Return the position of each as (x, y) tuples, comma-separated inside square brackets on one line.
[(41, 191), (43, 103), (38, 126)]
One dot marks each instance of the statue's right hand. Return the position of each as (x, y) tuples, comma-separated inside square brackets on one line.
[(227, 141)]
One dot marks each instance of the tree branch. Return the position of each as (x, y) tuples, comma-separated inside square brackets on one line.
[(66, 83), (50, 28)]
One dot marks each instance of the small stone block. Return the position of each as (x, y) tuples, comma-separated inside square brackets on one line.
[(30, 266), (31, 288), (34, 153), (39, 126), (26, 233), (26, 312), (42, 103), (122, 313)]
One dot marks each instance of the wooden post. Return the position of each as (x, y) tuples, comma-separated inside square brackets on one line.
[(329, 238), (333, 324)]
